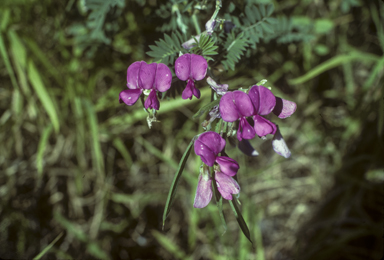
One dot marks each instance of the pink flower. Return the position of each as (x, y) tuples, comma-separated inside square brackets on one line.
[(191, 67), (141, 76)]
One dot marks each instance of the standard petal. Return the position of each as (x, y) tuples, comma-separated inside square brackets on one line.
[(227, 108), (213, 141), (284, 108), (279, 145), (226, 185), (129, 96), (147, 75), (247, 131), (133, 74), (199, 67), (245, 146), (163, 77), (243, 103), (188, 91), (203, 192), (227, 165), (207, 155), (263, 100), (183, 66), (152, 101), (263, 126)]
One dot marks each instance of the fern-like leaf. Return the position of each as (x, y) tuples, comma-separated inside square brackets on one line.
[(235, 47), (166, 50), (205, 47)]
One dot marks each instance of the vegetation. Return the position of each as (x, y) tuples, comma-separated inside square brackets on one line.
[(82, 176)]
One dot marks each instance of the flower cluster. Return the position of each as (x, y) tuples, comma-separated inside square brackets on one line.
[(208, 145), (259, 102), (150, 78)]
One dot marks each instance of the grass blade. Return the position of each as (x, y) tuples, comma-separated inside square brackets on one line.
[(334, 62), (43, 95), (172, 190), (47, 248), (97, 158), (7, 63), (41, 148)]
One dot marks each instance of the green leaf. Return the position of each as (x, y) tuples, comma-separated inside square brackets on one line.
[(235, 208), (41, 148), (97, 154), (334, 62), (205, 108), (169, 245), (172, 190), (46, 100)]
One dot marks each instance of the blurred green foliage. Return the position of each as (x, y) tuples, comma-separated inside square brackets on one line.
[(82, 177)]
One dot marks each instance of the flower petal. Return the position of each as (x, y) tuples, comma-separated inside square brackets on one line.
[(279, 145), (213, 140), (163, 77), (152, 101), (246, 130), (227, 108), (263, 100), (227, 165), (183, 66), (226, 185), (203, 192), (263, 126), (188, 91), (196, 92), (199, 67), (133, 75), (243, 103), (191, 43), (147, 75), (129, 96), (284, 108), (245, 146), (206, 154)]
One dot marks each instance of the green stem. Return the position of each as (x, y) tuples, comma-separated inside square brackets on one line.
[(197, 27)]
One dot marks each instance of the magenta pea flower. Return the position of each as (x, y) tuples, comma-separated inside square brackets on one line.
[(264, 102), (191, 67), (208, 145), (284, 108), (279, 145), (238, 105), (146, 77)]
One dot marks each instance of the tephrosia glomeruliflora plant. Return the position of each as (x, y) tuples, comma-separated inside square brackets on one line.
[(223, 42)]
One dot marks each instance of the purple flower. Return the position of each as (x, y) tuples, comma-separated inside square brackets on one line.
[(210, 26), (227, 165), (204, 189), (225, 185), (191, 42), (238, 105), (190, 67), (279, 145), (284, 108), (220, 89), (141, 76), (264, 102), (208, 145)]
